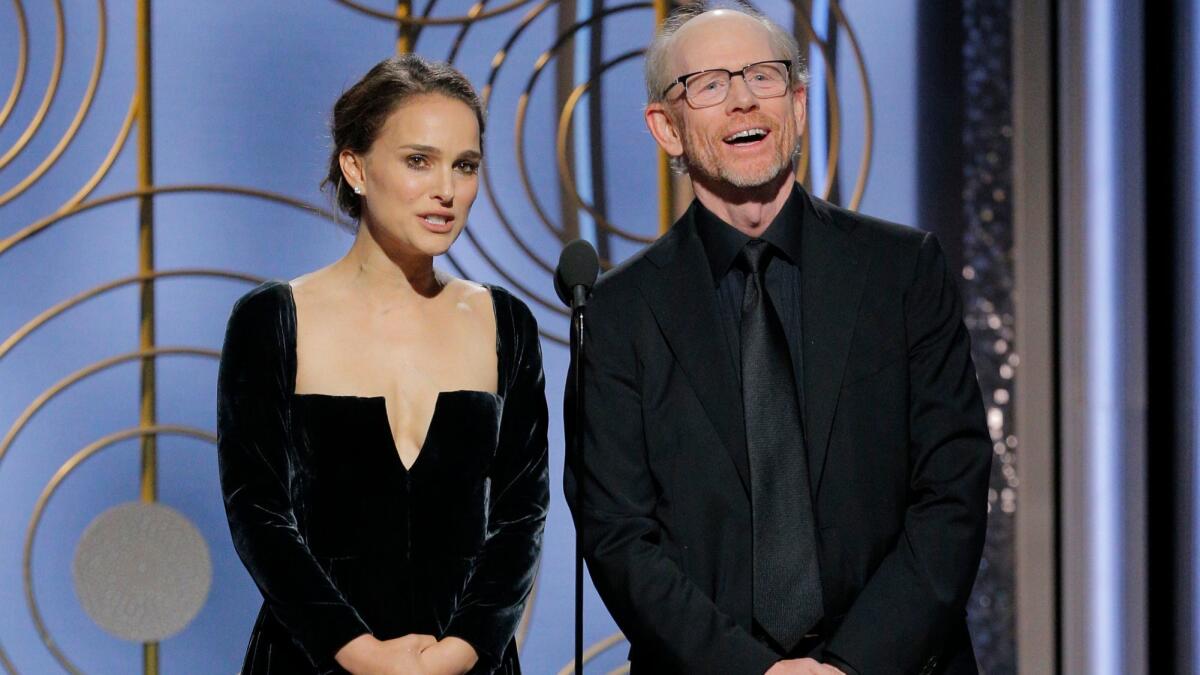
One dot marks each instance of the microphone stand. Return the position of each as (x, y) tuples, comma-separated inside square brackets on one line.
[(578, 267), (578, 302)]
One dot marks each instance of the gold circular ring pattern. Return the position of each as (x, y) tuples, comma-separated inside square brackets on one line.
[(41, 225), (37, 321), (87, 371), (864, 165), (60, 44), (22, 63), (86, 104), (489, 191), (596, 650), (835, 118), (523, 102), (475, 14), (564, 166), (107, 162)]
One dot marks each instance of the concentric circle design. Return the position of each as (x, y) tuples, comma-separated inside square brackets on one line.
[(541, 262), (14, 92), (142, 571), (477, 14), (43, 501)]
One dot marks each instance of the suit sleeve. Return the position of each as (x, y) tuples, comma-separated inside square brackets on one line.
[(494, 599), (920, 589), (257, 463), (612, 495)]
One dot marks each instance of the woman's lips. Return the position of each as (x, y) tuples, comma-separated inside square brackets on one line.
[(441, 224)]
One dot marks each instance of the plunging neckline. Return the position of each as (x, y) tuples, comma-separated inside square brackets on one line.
[(383, 401), (385, 422)]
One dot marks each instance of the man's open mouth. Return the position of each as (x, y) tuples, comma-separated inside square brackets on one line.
[(746, 136)]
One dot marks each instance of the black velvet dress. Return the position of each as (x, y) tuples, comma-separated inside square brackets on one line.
[(340, 538)]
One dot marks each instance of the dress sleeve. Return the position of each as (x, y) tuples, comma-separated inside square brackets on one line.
[(258, 464), (495, 596)]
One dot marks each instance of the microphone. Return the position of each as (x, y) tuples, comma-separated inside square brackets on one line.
[(578, 267)]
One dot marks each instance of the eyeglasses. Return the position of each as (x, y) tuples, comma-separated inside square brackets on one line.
[(766, 79)]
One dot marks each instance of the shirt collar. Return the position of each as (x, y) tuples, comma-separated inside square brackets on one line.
[(723, 242)]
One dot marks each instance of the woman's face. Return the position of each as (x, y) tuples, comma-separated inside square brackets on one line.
[(421, 174)]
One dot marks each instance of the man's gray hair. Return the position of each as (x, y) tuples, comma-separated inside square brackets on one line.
[(658, 78)]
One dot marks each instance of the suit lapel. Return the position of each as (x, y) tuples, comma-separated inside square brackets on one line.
[(681, 296), (833, 273)]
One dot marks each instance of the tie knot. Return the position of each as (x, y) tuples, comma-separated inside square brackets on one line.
[(755, 255)]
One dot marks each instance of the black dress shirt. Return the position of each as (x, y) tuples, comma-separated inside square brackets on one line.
[(722, 245)]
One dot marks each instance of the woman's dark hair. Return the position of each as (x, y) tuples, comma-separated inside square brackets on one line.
[(364, 108)]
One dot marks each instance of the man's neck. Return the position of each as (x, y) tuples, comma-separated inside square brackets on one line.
[(748, 210)]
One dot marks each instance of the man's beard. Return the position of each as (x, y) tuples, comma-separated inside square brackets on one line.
[(703, 162)]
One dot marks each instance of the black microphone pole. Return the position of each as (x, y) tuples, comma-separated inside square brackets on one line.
[(578, 267), (577, 439)]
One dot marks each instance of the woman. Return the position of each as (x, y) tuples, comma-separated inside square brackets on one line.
[(383, 424)]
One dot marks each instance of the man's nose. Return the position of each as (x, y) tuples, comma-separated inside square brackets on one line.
[(740, 97)]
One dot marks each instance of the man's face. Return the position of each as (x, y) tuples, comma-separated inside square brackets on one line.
[(714, 140)]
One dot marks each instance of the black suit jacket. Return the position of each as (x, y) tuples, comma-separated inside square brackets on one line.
[(898, 452)]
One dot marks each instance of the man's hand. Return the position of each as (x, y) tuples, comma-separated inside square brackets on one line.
[(367, 655), (803, 667), (448, 656)]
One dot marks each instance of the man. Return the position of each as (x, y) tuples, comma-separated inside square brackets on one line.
[(785, 456)]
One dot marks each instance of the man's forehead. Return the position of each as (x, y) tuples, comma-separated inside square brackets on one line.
[(720, 39)]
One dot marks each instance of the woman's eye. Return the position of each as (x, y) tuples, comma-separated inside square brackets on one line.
[(469, 168), (417, 161)]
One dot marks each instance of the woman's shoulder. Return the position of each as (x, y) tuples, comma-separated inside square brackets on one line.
[(513, 316), (266, 298), (505, 300), (264, 307)]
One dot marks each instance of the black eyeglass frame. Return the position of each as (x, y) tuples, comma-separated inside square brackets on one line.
[(682, 79)]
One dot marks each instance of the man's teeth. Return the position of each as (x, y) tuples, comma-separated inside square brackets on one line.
[(746, 133), (436, 220)]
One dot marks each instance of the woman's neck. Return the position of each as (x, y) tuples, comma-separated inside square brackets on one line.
[(387, 273)]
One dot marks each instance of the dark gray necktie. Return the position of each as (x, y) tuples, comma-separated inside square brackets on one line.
[(787, 580)]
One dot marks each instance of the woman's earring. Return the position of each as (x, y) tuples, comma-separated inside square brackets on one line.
[(358, 190)]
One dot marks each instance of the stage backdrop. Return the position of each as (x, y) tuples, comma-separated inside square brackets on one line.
[(159, 159)]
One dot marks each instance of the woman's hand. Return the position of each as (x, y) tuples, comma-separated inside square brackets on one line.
[(366, 655), (449, 656)]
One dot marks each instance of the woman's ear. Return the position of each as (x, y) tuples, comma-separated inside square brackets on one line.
[(352, 171)]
